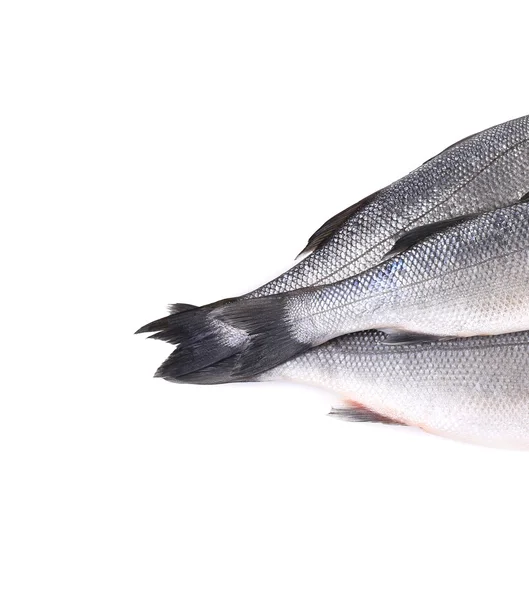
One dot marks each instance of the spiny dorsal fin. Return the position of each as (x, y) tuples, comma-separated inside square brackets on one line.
[(414, 236), (361, 414), (330, 227)]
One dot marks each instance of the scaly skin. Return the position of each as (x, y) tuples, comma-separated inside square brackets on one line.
[(470, 279), (486, 171), (472, 389)]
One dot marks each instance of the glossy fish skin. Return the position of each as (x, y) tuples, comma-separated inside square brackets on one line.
[(469, 389), (470, 279), (485, 171)]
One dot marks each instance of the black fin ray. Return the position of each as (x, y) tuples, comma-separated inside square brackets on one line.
[(418, 234), (254, 331), (172, 327), (331, 226), (223, 371), (193, 355), (361, 414), (157, 325), (200, 336), (177, 308)]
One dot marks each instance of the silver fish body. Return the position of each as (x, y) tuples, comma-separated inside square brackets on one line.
[(470, 389), (465, 280), (470, 279), (485, 171)]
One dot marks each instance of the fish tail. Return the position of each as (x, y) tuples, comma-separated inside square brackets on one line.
[(271, 336), (201, 340), (224, 371), (231, 340)]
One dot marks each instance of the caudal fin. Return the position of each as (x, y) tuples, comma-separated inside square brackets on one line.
[(224, 371), (231, 340), (270, 335), (202, 340)]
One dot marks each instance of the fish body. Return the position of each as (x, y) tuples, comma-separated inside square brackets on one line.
[(470, 279), (465, 280), (470, 389), (482, 172)]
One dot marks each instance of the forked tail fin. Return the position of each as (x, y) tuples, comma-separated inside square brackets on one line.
[(254, 334), (202, 340)]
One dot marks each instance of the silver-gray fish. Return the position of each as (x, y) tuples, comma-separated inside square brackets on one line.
[(470, 389), (484, 171), (464, 279)]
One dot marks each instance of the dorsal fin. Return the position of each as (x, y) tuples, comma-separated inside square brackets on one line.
[(330, 227), (414, 236)]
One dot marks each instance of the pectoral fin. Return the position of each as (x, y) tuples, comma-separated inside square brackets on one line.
[(399, 338), (414, 236)]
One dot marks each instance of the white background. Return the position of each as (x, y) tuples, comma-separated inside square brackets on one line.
[(156, 152)]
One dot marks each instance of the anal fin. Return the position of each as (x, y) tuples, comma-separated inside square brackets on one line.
[(361, 414)]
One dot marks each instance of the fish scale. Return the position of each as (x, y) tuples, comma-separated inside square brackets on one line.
[(470, 278), (467, 278), (486, 171), (471, 389)]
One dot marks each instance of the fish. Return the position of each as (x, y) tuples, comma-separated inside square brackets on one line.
[(481, 172), (459, 278), (469, 389)]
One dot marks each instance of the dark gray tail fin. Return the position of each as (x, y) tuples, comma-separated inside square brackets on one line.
[(271, 341), (223, 371), (202, 340), (231, 340)]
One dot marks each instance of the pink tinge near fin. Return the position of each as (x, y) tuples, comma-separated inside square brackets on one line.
[(356, 412)]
